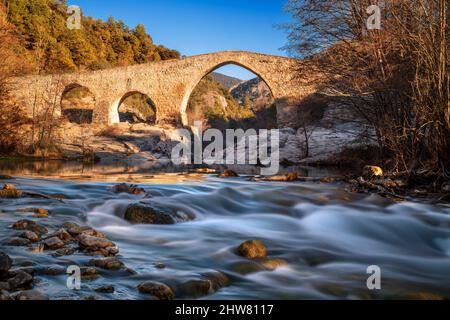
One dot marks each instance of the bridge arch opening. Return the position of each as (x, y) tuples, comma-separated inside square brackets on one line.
[(136, 107), (224, 102), (77, 104)]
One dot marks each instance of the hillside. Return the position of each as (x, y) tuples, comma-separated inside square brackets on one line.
[(226, 81), (48, 46), (256, 91)]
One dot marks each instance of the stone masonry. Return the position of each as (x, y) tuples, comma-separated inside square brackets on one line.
[(168, 84)]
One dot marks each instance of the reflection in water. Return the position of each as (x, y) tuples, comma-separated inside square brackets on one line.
[(328, 237)]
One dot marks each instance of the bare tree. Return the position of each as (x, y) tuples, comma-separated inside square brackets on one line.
[(399, 74)]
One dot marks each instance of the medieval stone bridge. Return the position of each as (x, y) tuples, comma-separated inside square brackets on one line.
[(168, 84)]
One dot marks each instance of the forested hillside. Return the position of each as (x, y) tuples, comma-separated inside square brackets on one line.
[(48, 46)]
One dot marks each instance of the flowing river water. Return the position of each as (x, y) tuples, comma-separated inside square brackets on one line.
[(327, 236)]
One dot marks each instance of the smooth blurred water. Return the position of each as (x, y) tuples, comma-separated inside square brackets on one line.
[(328, 237)]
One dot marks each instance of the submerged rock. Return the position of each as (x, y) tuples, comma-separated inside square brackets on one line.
[(105, 289), (152, 213), (290, 177), (194, 288), (20, 280), (38, 212), (19, 242), (53, 243), (10, 192), (273, 264), (31, 226), (125, 188), (5, 263), (156, 289), (228, 174), (32, 295), (31, 236), (252, 249), (113, 264), (217, 279)]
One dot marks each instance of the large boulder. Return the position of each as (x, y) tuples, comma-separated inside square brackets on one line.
[(152, 213)]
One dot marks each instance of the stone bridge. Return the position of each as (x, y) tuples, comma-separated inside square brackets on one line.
[(168, 84)]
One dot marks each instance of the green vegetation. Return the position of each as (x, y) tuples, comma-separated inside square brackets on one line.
[(50, 47)]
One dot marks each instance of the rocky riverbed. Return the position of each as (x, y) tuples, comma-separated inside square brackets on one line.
[(210, 236)]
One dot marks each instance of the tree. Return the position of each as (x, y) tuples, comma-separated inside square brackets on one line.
[(397, 77)]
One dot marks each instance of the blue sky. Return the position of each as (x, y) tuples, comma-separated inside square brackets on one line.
[(202, 26)]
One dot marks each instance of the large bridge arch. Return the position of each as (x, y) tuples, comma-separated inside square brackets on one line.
[(203, 73)]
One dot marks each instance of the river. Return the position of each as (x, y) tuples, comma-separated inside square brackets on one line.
[(327, 236)]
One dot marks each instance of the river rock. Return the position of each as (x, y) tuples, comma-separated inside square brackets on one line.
[(31, 295), (63, 235), (273, 264), (93, 233), (252, 249), (290, 177), (10, 192), (218, 279), (156, 289), (5, 263), (64, 252), (228, 174), (31, 236), (5, 296), (371, 172), (125, 188), (20, 280), (89, 274), (112, 264), (19, 242), (4, 286), (53, 270), (31, 226), (194, 288), (91, 242), (38, 212), (105, 289), (152, 213), (53, 243)]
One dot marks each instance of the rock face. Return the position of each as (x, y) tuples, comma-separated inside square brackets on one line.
[(152, 213), (156, 289), (252, 249)]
